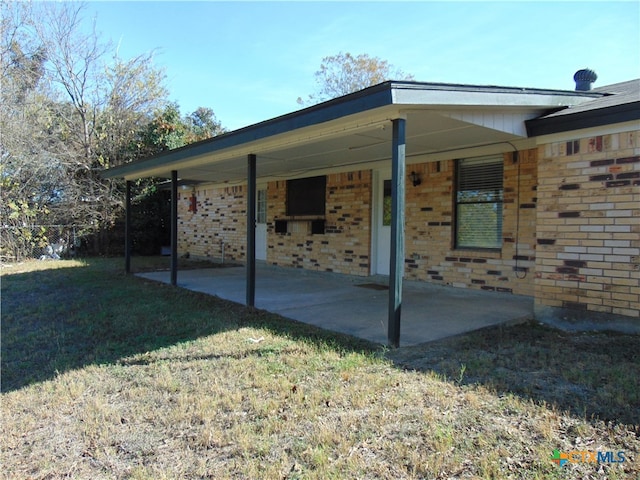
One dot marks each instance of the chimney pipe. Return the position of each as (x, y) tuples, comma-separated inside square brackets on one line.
[(584, 78)]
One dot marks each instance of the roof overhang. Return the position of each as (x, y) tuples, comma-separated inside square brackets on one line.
[(626, 112), (354, 130)]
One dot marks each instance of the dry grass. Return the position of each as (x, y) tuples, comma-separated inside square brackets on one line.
[(113, 377), (590, 374)]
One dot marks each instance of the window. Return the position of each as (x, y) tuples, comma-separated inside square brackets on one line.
[(261, 213), (479, 198), (386, 203), (573, 147), (306, 196)]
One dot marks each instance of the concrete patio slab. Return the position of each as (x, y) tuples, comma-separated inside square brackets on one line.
[(358, 305)]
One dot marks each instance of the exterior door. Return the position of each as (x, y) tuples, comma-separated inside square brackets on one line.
[(382, 222), (261, 224)]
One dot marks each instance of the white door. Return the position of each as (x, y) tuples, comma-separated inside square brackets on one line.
[(261, 224), (382, 222)]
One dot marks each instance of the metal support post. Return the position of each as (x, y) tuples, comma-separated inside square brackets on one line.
[(127, 228), (174, 227), (396, 264), (251, 230)]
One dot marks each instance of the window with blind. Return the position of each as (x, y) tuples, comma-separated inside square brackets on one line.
[(479, 198)]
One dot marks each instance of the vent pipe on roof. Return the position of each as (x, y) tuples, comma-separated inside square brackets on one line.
[(584, 78)]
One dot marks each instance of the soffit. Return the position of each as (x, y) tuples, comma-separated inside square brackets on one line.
[(427, 132)]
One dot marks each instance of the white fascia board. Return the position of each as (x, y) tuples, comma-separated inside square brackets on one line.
[(487, 98)]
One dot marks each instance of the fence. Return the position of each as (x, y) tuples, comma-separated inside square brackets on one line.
[(44, 242)]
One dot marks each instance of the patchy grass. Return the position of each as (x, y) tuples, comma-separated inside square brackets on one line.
[(109, 376), (590, 374)]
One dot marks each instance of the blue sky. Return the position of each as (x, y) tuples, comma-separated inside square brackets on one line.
[(250, 61)]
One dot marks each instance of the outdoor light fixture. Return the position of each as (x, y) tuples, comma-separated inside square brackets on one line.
[(415, 179)]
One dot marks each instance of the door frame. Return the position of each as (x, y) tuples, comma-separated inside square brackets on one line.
[(379, 176)]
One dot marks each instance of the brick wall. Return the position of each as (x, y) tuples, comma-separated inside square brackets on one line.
[(218, 222), (430, 255), (588, 215), (345, 245)]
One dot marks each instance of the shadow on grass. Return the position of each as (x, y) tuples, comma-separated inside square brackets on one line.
[(593, 375), (59, 319), (155, 263)]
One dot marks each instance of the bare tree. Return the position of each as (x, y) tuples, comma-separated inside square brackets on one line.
[(65, 114), (134, 93), (31, 174), (76, 62), (343, 73)]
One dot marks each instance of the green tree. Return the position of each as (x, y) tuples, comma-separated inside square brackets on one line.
[(202, 124), (151, 203), (343, 73), (165, 131), (168, 130)]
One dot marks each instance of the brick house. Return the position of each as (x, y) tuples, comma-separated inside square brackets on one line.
[(529, 191)]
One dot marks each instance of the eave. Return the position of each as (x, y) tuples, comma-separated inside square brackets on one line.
[(353, 129), (586, 119)]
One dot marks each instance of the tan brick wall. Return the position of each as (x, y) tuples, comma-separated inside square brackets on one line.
[(219, 222), (345, 245), (430, 255), (589, 225)]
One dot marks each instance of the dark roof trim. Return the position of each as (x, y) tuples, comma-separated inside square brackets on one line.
[(586, 119)]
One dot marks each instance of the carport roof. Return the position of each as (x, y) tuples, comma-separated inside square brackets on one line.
[(353, 129)]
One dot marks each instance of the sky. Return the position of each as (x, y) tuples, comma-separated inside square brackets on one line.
[(250, 61)]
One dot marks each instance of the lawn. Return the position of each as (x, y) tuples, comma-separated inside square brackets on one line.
[(110, 376)]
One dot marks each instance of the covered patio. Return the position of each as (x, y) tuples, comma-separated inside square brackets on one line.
[(388, 126), (358, 306)]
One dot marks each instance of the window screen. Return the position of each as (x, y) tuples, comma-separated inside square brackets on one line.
[(479, 198), (306, 196)]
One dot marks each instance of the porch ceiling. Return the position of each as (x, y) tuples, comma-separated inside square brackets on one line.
[(427, 132)]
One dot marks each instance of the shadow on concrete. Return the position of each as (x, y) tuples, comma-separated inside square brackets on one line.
[(358, 306)]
